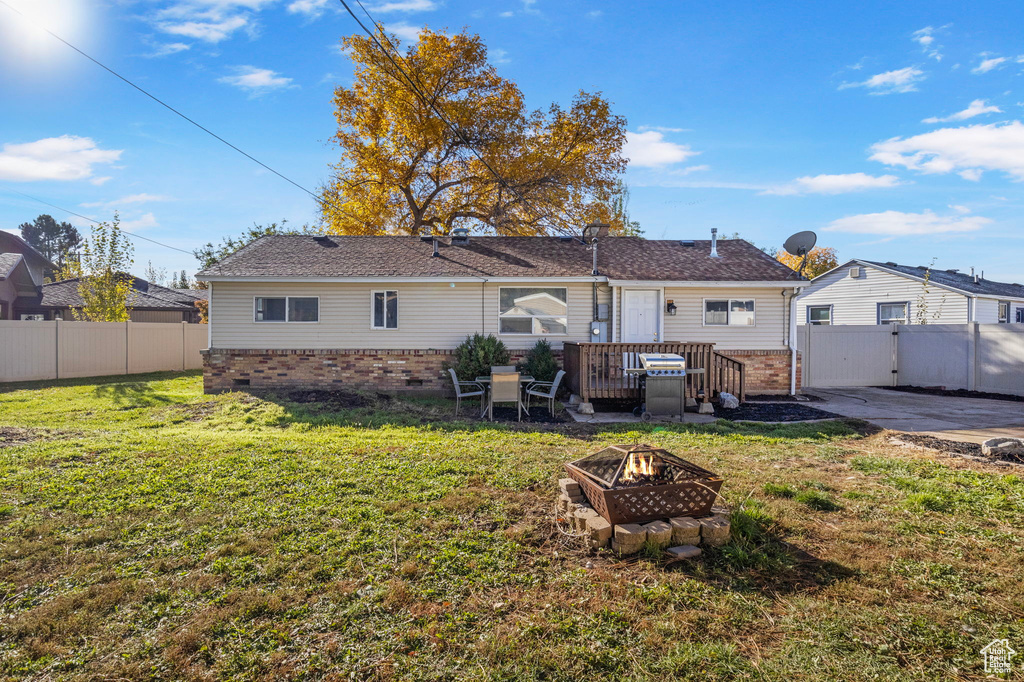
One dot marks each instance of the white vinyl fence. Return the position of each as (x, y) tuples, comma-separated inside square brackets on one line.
[(31, 351), (976, 357)]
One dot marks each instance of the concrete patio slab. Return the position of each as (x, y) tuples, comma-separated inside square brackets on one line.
[(972, 420)]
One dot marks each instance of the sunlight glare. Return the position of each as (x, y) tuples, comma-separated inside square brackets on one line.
[(26, 48)]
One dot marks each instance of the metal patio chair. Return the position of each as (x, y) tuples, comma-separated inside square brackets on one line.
[(460, 393), (502, 369), (505, 389), (546, 390)]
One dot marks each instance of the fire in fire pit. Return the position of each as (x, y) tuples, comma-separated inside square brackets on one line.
[(630, 484)]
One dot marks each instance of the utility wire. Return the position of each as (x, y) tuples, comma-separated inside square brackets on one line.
[(320, 200), (91, 220), (427, 101), (160, 101)]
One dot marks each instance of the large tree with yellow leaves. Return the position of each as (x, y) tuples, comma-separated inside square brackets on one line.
[(820, 259), (405, 171)]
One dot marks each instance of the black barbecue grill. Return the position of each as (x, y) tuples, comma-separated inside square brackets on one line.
[(662, 380)]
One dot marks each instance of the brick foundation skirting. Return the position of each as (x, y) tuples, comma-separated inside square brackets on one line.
[(385, 371), (388, 371), (765, 371)]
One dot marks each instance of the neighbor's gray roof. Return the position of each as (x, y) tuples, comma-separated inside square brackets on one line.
[(7, 263), (625, 258), (12, 242), (957, 280), (64, 294)]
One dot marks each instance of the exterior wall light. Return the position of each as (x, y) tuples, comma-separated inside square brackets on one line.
[(670, 307)]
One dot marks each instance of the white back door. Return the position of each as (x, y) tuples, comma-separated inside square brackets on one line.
[(641, 315)]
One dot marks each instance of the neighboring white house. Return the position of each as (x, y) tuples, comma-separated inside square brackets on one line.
[(867, 292), (388, 311)]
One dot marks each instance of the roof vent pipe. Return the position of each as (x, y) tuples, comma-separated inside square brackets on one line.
[(714, 243), (593, 247), (436, 252)]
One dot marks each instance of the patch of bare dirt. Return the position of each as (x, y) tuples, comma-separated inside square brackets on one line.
[(13, 435)]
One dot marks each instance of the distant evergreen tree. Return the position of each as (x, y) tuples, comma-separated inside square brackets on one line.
[(52, 239)]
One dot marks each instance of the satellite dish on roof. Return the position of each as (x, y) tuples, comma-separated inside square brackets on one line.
[(800, 245)]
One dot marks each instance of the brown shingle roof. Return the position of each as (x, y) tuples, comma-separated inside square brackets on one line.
[(627, 258), (64, 294)]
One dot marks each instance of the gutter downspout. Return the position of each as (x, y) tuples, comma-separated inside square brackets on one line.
[(792, 340)]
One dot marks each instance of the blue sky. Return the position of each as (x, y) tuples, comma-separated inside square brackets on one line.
[(892, 129)]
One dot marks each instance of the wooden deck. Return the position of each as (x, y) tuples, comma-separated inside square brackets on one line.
[(597, 370)]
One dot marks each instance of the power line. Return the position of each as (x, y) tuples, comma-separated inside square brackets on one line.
[(161, 102), (91, 220), (427, 101)]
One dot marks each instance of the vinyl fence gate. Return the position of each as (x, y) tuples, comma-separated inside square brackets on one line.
[(975, 357)]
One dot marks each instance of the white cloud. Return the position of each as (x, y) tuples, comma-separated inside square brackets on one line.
[(405, 6), (694, 169), (899, 224), (499, 56), (100, 181), (406, 32), (926, 39), (257, 81), (67, 157), (968, 150), (987, 65), (663, 129), (168, 48), (142, 198), (890, 82), (834, 184), (651, 149), (528, 7), (312, 8), (208, 20), (141, 223), (506, 15), (975, 108), (594, 14)]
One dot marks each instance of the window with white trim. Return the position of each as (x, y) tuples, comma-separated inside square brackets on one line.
[(384, 310), (732, 312), (1004, 312), (894, 313), (533, 310), (819, 314), (287, 309)]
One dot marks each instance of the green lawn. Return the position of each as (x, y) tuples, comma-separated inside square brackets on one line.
[(150, 531)]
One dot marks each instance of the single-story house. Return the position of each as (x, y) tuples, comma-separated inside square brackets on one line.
[(147, 302), (22, 272), (386, 312), (869, 292)]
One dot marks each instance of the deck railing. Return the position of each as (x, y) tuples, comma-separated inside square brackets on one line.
[(597, 370)]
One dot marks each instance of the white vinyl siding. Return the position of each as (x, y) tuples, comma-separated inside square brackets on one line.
[(767, 333), (433, 315), (855, 300), (988, 309)]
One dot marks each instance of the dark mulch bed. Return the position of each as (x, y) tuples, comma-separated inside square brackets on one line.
[(802, 398), (955, 393), (333, 401), (538, 415), (954, 447), (773, 412)]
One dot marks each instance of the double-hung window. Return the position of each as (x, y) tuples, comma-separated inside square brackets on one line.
[(731, 312), (287, 309), (819, 314), (533, 310), (384, 310), (1004, 312), (894, 313)]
